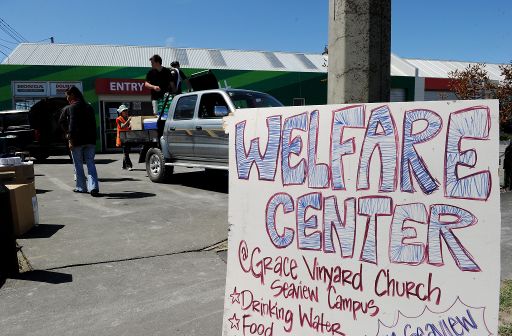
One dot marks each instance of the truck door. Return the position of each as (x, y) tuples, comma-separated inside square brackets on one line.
[(179, 134), (210, 140)]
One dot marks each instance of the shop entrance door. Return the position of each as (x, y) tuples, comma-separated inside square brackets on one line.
[(109, 115)]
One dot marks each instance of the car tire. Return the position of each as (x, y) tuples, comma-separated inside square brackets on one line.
[(156, 169)]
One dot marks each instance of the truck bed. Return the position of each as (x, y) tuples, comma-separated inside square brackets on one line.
[(139, 137)]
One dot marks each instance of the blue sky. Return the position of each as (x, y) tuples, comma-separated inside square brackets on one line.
[(468, 30)]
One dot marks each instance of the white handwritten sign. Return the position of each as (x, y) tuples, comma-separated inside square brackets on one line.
[(373, 219)]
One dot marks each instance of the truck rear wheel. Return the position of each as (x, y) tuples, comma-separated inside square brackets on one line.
[(155, 166)]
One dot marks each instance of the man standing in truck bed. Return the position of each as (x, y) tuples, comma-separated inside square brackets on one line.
[(178, 77), (158, 80)]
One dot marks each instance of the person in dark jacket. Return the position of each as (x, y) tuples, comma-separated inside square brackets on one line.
[(178, 77), (80, 122), (507, 165)]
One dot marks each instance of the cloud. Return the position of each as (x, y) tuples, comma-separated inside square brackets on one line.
[(169, 42)]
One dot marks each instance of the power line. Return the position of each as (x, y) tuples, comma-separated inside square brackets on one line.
[(3, 45), (5, 48), (13, 30), (5, 30), (8, 31), (6, 41)]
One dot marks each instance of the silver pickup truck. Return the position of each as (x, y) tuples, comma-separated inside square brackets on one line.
[(193, 135)]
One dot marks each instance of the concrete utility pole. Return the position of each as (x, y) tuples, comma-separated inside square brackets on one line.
[(359, 51)]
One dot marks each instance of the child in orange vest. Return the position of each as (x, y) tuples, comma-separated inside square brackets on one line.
[(123, 125)]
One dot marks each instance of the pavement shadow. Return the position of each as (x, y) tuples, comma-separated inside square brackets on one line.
[(69, 161), (55, 161), (42, 191), (120, 179), (54, 278), (127, 195), (104, 161), (42, 231), (216, 181)]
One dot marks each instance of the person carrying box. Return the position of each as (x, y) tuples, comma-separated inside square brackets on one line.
[(123, 125)]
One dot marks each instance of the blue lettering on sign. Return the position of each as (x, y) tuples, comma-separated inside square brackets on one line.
[(474, 124), (386, 141), (266, 164), (443, 229), (412, 163), (372, 207), (293, 174), (449, 326), (352, 117), (279, 241), (312, 241), (318, 174)]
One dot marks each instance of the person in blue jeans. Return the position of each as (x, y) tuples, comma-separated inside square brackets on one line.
[(79, 121)]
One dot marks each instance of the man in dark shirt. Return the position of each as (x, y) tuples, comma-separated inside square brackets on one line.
[(79, 121), (158, 80)]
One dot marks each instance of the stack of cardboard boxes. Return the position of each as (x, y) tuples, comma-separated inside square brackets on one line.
[(19, 180)]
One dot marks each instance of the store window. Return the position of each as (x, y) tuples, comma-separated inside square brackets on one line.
[(25, 103)]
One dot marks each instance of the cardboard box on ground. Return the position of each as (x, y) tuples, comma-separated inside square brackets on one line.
[(22, 193), (23, 207), (22, 174)]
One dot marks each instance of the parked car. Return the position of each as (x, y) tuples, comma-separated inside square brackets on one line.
[(36, 130), (15, 131), (49, 138)]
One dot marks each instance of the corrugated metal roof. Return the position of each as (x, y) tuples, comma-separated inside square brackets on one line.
[(216, 58), (274, 61), (138, 56), (181, 56), (441, 69), (305, 61)]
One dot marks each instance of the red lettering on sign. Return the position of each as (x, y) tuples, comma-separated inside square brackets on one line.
[(121, 86)]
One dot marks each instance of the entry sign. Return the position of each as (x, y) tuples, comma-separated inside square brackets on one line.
[(376, 219)]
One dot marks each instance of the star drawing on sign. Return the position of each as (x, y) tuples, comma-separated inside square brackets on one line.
[(235, 297), (235, 322)]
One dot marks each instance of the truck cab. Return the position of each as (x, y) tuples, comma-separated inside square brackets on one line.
[(193, 135)]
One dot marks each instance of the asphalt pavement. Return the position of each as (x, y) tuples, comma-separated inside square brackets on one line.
[(135, 261), (129, 262)]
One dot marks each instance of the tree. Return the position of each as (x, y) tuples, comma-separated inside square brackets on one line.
[(504, 93), (474, 83)]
